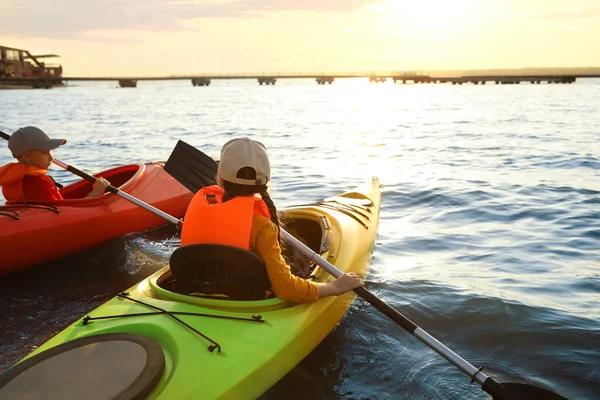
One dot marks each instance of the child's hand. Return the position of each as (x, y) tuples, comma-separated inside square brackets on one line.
[(347, 282), (99, 187)]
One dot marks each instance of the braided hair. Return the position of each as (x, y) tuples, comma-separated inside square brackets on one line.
[(233, 190)]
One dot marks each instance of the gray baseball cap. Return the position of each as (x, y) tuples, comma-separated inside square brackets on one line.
[(31, 138)]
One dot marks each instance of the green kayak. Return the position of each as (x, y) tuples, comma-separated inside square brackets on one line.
[(152, 342)]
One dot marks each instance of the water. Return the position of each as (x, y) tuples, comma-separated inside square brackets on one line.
[(488, 240)]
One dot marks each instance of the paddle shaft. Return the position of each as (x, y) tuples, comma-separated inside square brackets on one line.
[(489, 385), (111, 189)]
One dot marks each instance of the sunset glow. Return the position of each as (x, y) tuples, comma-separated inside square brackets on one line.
[(160, 37), (427, 18)]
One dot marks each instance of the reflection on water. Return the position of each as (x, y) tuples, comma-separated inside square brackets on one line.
[(489, 225)]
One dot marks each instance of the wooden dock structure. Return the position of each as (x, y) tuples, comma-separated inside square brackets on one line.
[(19, 64), (499, 80), (205, 80)]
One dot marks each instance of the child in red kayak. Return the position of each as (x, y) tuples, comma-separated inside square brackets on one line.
[(243, 173), (26, 180)]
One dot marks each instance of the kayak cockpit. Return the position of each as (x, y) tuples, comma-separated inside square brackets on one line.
[(118, 177), (309, 226)]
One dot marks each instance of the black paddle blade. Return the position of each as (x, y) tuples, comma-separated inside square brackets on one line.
[(526, 391), (191, 167), (517, 391)]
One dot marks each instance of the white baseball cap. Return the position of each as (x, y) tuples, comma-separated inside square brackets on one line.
[(244, 153), (31, 138)]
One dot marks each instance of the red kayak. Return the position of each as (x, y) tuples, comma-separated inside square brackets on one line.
[(31, 234)]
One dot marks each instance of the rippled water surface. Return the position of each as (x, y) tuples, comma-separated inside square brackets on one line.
[(489, 236)]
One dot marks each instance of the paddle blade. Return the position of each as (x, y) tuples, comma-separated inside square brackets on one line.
[(191, 167), (517, 391), (526, 391)]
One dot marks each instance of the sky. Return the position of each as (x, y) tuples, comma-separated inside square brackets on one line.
[(179, 37)]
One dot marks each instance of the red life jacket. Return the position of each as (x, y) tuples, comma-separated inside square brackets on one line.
[(11, 179), (228, 223)]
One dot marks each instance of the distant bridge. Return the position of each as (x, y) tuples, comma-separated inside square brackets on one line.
[(205, 80)]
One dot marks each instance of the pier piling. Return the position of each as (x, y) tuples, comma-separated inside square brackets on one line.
[(378, 79), (127, 83), (267, 80), (321, 80), (200, 81)]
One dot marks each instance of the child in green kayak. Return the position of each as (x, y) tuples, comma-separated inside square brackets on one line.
[(247, 218), (27, 179)]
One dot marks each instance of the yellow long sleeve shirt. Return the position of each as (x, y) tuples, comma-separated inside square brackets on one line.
[(285, 285)]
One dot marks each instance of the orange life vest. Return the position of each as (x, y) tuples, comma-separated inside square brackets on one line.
[(11, 179), (228, 223)]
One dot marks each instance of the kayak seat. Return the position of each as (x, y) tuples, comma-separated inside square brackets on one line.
[(214, 269)]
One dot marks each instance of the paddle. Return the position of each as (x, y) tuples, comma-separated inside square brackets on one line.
[(111, 189), (195, 170)]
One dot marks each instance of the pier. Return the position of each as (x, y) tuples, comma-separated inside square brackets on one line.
[(20, 68), (498, 80), (205, 80)]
